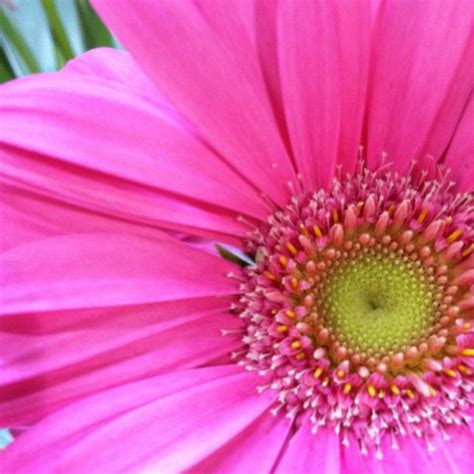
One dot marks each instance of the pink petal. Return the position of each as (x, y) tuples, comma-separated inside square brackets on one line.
[(108, 286), (353, 33), (413, 456), (27, 214), (104, 147), (453, 108), (195, 413), (415, 78), (255, 449), (116, 67), (61, 349), (323, 50), (311, 453), (459, 157), (212, 76), (97, 270)]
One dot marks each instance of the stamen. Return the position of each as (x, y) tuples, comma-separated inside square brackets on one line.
[(358, 309)]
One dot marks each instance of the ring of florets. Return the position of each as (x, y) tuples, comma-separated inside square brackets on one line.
[(331, 364)]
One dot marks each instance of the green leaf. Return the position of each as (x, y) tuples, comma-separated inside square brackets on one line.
[(95, 33), (62, 41), (233, 257), (11, 35), (6, 71)]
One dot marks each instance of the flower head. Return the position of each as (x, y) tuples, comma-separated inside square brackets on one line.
[(331, 142)]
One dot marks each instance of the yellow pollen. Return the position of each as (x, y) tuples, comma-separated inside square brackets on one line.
[(410, 394), (325, 381), (290, 314), (296, 344), (423, 215), (452, 373), (433, 392), (317, 231), (335, 216), (270, 275), (294, 283), (468, 251), (381, 393), (448, 220), (317, 373), (300, 356), (465, 370), (303, 230), (283, 260), (347, 388), (468, 352), (340, 374), (372, 391), (454, 236), (466, 326), (394, 389), (282, 328), (291, 248)]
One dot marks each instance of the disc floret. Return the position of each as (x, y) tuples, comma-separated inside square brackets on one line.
[(359, 308)]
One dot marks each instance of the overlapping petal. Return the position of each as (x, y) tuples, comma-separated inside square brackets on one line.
[(169, 423), (214, 80), (87, 143), (459, 156), (257, 448), (411, 455), (82, 307), (323, 65), (419, 80), (309, 453)]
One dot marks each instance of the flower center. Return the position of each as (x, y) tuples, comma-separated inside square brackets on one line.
[(359, 308), (376, 303)]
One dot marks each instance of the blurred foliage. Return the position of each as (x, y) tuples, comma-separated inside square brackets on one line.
[(41, 35)]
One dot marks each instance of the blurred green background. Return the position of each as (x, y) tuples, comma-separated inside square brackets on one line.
[(41, 35)]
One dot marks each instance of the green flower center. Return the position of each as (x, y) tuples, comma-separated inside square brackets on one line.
[(378, 303)]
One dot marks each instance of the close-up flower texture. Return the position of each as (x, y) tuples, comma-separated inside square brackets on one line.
[(244, 242)]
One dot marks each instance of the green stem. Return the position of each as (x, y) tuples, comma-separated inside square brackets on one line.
[(10, 34), (6, 72), (57, 29)]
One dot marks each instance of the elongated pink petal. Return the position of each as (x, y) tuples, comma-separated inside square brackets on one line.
[(164, 433), (324, 107), (459, 157), (117, 68), (413, 455), (92, 143), (311, 453), (453, 108), (28, 214), (96, 301), (214, 80), (417, 56), (97, 270), (59, 350), (353, 33), (310, 83), (255, 449)]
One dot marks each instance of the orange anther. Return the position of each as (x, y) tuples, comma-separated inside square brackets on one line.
[(454, 236), (291, 248)]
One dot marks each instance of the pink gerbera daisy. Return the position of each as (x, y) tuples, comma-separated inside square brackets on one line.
[(331, 142)]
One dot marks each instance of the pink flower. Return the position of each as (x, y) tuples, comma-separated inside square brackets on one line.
[(348, 342)]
